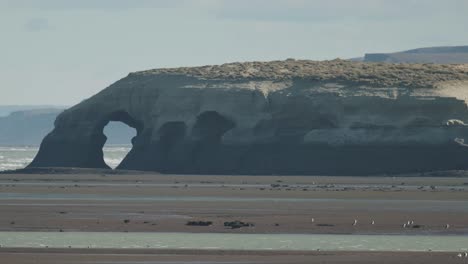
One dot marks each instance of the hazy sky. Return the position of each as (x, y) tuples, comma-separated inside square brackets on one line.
[(63, 51)]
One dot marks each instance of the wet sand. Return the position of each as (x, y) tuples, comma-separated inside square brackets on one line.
[(160, 203), (91, 256), (275, 204)]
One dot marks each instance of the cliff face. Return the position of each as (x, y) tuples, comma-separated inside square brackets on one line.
[(283, 117)]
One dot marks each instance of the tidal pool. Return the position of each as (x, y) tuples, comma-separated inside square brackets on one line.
[(234, 241)]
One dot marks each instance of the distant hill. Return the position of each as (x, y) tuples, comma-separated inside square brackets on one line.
[(8, 109), (441, 55), (29, 127)]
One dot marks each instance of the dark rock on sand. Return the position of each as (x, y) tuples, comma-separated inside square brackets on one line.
[(237, 224), (199, 223)]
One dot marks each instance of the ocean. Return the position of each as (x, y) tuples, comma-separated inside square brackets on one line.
[(16, 157)]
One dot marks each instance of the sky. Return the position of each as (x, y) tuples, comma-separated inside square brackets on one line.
[(59, 52)]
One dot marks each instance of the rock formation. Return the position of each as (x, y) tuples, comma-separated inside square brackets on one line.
[(281, 117)]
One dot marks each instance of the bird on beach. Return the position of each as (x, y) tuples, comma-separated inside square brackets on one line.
[(412, 222), (465, 254), (312, 220), (447, 226), (404, 225), (355, 222), (373, 222)]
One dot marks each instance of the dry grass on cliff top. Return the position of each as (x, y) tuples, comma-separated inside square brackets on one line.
[(365, 73)]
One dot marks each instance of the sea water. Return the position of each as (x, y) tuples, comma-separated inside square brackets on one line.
[(17, 157), (234, 241)]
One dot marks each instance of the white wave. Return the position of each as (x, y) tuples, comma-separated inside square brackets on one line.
[(19, 149), (114, 162), (18, 157), (19, 160), (121, 149), (12, 166)]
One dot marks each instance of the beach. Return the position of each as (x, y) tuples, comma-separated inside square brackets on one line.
[(67, 256), (275, 204), (154, 203)]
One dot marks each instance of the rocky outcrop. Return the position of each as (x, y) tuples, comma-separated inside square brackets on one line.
[(281, 117)]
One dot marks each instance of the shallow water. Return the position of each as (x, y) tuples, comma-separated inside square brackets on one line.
[(17, 157), (12, 158), (365, 204), (234, 241)]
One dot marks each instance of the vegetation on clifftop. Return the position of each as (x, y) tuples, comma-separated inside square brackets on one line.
[(343, 71)]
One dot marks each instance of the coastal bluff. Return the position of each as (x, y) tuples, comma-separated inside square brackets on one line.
[(292, 117)]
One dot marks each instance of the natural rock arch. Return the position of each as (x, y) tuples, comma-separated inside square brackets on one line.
[(282, 117), (81, 144)]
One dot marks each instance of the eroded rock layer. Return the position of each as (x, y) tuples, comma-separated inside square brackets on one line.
[(281, 117)]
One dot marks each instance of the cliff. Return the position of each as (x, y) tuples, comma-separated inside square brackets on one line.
[(457, 54), (281, 117)]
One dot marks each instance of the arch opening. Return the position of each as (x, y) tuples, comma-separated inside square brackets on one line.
[(119, 131), (118, 142)]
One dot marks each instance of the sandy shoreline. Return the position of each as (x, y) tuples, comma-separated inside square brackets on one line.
[(66, 256), (275, 204), (164, 203)]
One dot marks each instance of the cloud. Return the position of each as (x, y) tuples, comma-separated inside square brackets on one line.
[(271, 10), (337, 10), (93, 4), (37, 24)]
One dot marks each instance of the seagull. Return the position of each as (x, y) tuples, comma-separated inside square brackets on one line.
[(313, 220), (408, 223), (404, 225), (412, 222), (355, 222), (373, 222), (447, 226), (465, 254), (459, 255)]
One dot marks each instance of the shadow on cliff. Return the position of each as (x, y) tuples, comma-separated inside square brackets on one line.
[(178, 151)]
